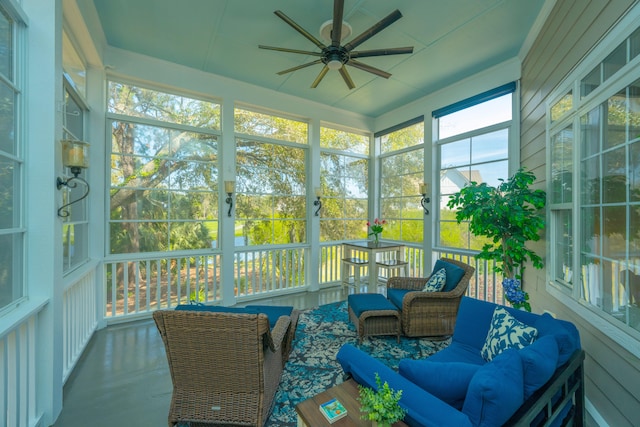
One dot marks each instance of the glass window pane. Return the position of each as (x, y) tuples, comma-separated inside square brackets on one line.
[(490, 146), (488, 113), (11, 255), (267, 125), (564, 246), (345, 141), (9, 194), (73, 66), (634, 175), (614, 169), (402, 138), (591, 180), (136, 101), (491, 173), (590, 82), (6, 45), (562, 166), (590, 231), (590, 129), (561, 107), (615, 60), (73, 118), (616, 120), (7, 120), (456, 153)]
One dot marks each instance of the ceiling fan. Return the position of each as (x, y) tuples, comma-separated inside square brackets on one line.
[(336, 56)]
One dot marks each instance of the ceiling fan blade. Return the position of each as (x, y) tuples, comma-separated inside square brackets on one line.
[(336, 31), (367, 34), (299, 29), (323, 72), (298, 67), (369, 68), (285, 49), (346, 77), (381, 52)]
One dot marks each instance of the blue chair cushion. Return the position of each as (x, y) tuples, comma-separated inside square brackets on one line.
[(506, 332), (568, 341), (496, 391), (453, 272), (436, 282), (396, 296), (359, 303), (273, 312), (538, 363), (448, 381)]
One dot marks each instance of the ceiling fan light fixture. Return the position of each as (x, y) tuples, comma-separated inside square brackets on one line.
[(334, 64)]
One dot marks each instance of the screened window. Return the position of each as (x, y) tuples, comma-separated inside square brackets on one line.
[(271, 179), (473, 147), (401, 173), (344, 178), (75, 227), (164, 171), (12, 233), (597, 148)]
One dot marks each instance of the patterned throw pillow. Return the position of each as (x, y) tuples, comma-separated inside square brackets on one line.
[(506, 332), (436, 281)]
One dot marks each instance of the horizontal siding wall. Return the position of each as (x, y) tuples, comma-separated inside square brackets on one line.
[(572, 29)]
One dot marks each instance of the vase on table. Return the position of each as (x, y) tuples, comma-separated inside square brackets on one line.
[(376, 238)]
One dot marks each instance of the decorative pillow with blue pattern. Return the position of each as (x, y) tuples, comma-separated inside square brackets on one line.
[(436, 281), (506, 332)]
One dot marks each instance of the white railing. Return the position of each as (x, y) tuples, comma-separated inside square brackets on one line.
[(18, 375), (486, 284), (267, 270), (79, 319), (138, 286)]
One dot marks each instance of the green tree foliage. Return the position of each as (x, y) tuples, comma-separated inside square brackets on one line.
[(508, 214)]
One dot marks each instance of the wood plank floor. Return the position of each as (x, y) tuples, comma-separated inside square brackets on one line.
[(123, 378)]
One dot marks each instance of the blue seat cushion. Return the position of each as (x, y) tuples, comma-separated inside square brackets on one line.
[(538, 363), (496, 391), (396, 296), (272, 312), (453, 272), (568, 339), (359, 303), (447, 381)]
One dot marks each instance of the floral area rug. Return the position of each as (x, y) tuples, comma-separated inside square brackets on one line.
[(312, 366)]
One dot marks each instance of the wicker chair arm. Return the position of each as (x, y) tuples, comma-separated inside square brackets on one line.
[(276, 337), (412, 283)]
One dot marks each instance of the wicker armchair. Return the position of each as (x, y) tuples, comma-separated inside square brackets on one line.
[(430, 313), (225, 367)]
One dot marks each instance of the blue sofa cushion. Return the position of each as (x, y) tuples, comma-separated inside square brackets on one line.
[(458, 352), (538, 363), (506, 332), (273, 312), (446, 381), (423, 408), (568, 339), (436, 282), (359, 303), (396, 296), (496, 391), (454, 274)]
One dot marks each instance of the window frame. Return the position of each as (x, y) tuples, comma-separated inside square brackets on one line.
[(620, 332)]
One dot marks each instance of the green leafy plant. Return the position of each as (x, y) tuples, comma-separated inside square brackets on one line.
[(381, 405), (509, 215)]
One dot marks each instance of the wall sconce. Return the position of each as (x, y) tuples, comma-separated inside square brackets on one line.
[(318, 203), (424, 189), (228, 188), (75, 156)]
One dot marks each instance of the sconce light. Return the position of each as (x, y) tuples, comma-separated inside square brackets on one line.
[(424, 189), (318, 203), (75, 156), (228, 188)]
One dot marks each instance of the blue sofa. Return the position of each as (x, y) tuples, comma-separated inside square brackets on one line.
[(541, 382)]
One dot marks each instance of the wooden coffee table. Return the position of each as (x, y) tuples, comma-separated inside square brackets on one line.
[(347, 393)]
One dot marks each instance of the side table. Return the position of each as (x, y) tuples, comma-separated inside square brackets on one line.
[(347, 393)]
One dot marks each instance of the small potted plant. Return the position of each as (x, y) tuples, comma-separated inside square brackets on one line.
[(381, 406)]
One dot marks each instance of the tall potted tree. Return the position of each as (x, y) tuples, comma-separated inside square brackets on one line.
[(509, 215)]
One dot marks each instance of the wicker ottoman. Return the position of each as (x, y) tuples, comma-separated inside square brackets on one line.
[(373, 314)]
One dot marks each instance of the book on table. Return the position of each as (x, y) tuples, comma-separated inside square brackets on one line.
[(333, 410)]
